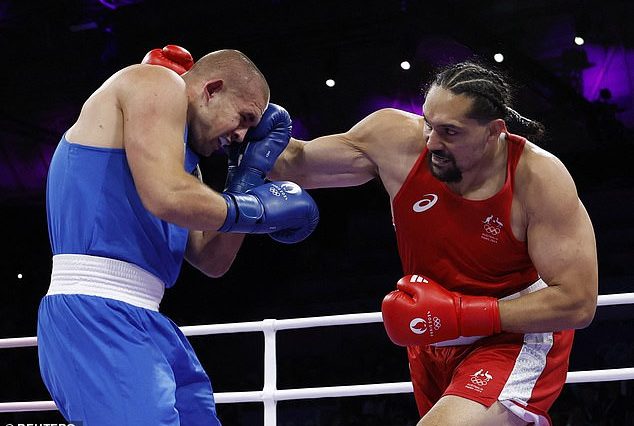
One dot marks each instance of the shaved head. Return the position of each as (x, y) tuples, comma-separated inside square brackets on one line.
[(236, 69)]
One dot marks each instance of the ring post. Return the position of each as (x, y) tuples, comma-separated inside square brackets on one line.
[(270, 373)]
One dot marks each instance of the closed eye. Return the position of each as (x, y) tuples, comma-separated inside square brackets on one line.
[(248, 120)]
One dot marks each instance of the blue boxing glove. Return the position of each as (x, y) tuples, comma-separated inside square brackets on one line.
[(282, 209), (250, 162)]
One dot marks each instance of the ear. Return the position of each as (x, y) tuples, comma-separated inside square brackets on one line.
[(496, 127), (212, 87)]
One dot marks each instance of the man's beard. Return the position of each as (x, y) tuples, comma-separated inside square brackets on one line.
[(449, 173)]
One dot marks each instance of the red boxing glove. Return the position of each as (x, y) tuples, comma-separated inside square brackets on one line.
[(171, 56), (422, 312)]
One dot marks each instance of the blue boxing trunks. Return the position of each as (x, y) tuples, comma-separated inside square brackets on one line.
[(108, 357)]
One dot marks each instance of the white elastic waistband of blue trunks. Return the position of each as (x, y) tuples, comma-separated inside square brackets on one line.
[(104, 277), (537, 285)]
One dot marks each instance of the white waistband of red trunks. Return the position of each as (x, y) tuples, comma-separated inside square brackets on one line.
[(537, 285), (105, 277)]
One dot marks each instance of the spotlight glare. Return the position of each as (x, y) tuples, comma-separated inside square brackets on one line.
[(405, 65), (579, 41), (330, 82), (498, 57), (19, 276)]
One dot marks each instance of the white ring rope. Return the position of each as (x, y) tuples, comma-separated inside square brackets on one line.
[(270, 394)]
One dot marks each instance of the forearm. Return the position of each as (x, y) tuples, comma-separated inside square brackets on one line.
[(549, 309), (326, 162), (289, 164), (212, 252), (188, 203)]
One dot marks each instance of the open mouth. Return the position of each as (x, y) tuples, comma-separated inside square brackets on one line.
[(224, 141), (440, 160)]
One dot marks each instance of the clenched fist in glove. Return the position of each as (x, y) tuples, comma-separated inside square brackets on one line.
[(281, 209), (250, 161), (421, 312), (174, 57)]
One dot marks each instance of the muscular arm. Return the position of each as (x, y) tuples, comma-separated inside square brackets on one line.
[(212, 252), (378, 144), (329, 161), (154, 107), (562, 247)]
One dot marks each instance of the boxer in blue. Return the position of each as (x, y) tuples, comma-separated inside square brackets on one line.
[(124, 211)]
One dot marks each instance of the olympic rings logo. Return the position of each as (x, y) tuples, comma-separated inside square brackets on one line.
[(493, 230), (284, 190), (481, 378), (479, 382), (436, 323)]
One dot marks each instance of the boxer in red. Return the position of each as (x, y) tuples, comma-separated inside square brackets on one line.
[(499, 252)]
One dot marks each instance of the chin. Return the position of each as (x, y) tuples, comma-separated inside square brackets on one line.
[(447, 175), (204, 150)]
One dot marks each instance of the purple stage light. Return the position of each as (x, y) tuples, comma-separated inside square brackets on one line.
[(613, 69), (378, 102)]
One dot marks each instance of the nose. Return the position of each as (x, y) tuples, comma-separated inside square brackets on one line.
[(238, 134), (433, 141)]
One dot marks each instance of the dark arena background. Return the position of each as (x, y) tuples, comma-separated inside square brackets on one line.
[(574, 65)]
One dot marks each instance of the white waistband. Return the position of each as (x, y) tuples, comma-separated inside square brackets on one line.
[(105, 277), (537, 285)]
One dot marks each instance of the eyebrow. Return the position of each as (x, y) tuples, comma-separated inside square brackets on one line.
[(447, 125)]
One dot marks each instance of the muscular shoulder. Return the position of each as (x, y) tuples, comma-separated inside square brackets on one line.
[(151, 83), (388, 135), (543, 183), (389, 123), (130, 92), (392, 140), (154, 105)]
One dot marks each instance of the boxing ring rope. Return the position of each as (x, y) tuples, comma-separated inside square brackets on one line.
[(269, 395)]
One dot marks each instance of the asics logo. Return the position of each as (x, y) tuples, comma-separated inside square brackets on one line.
[(426, 203)]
